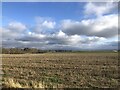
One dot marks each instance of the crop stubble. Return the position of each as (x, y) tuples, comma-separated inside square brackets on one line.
[(60, 70)]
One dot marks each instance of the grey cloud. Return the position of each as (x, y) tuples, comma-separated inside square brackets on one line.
[(113, 45), (73, 35), (61, 40), (101, 27), (49, 39), (61, 44)]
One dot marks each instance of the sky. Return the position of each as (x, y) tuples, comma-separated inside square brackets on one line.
[(60, 25)]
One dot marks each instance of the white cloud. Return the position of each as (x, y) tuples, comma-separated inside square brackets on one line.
[(13, 30), (70, 35), (61, 34), (9, 34), (48, 24), (60, 39), (16, 26), (104, 26), (44, 25), (100, 9), (91, 33), (32, 34)]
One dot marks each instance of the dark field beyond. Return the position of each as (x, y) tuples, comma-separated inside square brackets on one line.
[(60, 70)]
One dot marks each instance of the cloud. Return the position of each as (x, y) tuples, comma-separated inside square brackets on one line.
[(48, 24), (112, 45), (16, 26), (97, 33), (59, 40), (99, 9), (104, 26), (67, 37), (44, 25), (13, 30)]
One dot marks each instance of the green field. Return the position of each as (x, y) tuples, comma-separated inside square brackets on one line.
[(60, 70)]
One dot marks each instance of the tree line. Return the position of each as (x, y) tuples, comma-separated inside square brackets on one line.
[(37, 51), (28, 50), (20, 50)]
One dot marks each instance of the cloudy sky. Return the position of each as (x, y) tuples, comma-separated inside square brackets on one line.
[(60, 25)]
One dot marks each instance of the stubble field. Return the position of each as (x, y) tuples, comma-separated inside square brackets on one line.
[(60, 70)]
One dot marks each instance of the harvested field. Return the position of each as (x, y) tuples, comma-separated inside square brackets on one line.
[(60, 70)]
